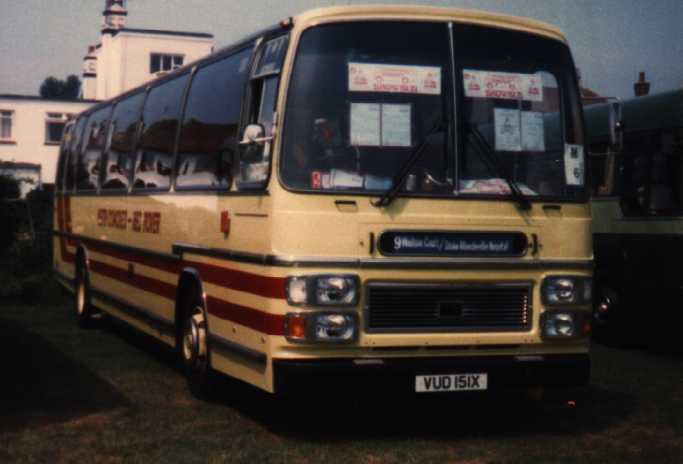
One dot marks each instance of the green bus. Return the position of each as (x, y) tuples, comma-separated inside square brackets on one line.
[(636, 149)]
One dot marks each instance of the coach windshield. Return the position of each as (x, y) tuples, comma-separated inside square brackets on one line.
[(487, 109)]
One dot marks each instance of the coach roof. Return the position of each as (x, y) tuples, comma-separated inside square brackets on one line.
[(405, 12)]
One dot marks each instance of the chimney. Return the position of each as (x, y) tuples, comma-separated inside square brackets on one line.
[(642, 87), (114, 16)]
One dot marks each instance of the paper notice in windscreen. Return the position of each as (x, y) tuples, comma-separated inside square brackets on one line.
[(502, 85), (394, 78), (365, 124), (396, 125), (533, 135), (573, 164), (508, 136)]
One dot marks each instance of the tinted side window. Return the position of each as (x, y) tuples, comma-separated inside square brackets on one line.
[(208, 137), (155, 147), (120, 156), (74, 149), (652, 170), (272, 57), (94, 139), (63, 158)]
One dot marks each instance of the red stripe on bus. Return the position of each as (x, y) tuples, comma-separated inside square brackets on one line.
[(147, 284), (268, 287), (265, 286), (157, 263), (271, 324), (260, 321)]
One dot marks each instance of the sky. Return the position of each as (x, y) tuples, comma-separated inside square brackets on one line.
[(611, 40)]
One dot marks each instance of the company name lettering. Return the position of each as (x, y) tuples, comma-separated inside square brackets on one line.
[(140, 221)]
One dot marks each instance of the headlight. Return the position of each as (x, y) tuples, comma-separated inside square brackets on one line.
[(318, 327), (557, 324), (323, 290), (567, 290)]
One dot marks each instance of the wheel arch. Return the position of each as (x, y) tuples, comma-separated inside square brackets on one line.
[(188, 280), (82, 258)]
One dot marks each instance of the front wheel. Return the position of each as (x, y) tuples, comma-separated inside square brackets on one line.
[(82, 306), (194, 352)]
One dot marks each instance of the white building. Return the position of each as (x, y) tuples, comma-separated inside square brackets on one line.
[(31, 126), (126, 58), (31, 130)]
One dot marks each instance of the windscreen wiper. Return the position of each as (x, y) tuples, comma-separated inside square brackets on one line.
[(496, 165), (386, 199)]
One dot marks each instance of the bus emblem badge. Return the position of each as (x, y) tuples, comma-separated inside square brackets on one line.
[(225, 223)]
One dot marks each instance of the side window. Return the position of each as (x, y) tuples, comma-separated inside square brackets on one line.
[(94, 139), (603, 168), (255, 154), (63, 158), (209, 134), (160, 124), (120, 156), (652, 174), (74, 149)]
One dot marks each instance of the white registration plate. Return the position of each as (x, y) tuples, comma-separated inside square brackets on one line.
[(451, 382)]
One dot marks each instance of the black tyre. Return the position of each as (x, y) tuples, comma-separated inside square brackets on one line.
[(193, 347), (82, 305)]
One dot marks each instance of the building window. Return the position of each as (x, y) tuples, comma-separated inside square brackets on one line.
[(54, 127), (6, 125), (164, 63)]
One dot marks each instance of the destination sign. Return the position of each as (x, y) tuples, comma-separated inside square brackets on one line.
[(468, 244)]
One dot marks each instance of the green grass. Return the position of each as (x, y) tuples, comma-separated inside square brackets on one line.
[(110, 394)]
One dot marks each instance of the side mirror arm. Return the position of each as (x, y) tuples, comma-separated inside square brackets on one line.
[(256, 140)]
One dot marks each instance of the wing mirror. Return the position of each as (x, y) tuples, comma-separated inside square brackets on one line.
[(616, 126), (255, 134)]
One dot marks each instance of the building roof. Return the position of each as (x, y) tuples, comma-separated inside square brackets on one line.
[(10, 96), (114, 31)]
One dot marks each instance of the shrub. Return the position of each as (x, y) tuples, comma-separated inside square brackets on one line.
[(9, 188), (9, 222), (25, 242)]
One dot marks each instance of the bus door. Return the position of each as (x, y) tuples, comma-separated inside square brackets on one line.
[(259, 117)]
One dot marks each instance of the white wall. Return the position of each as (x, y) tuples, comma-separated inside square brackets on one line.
[(28, 132), (123, 61), (88, 87)]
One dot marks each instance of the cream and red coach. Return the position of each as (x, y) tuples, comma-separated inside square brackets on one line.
[(392, 191)]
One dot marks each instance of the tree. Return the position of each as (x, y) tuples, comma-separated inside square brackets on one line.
[(65, 89)]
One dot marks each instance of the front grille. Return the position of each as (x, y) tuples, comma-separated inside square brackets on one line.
[(413, 307)]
